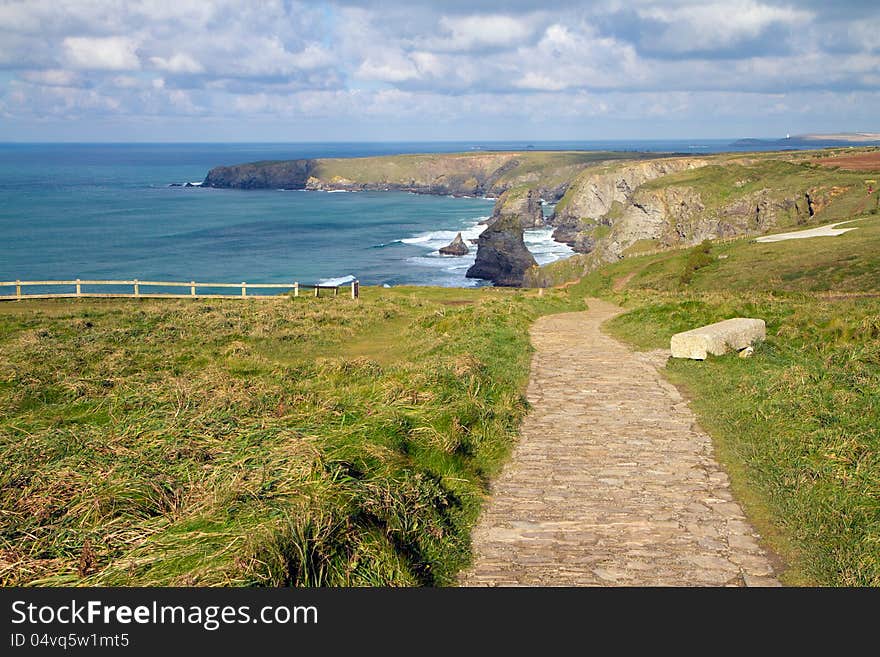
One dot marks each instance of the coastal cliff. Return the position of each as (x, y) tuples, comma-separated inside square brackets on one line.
[(607, 205), (285, 174), (502, 256), (487, 174), (665, 204)]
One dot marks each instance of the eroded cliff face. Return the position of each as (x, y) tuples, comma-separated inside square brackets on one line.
[(613, 211), (676, 215), (285, 174), (459, 174), (521, 204), (597, 196)]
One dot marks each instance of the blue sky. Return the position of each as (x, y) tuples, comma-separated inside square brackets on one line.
[(196, 70)]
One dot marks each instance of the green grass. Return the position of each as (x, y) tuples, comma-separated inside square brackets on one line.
[(536, 168), (798, 424), (301, 442), (732, 178)]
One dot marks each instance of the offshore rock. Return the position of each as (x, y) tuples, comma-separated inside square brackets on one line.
[(456, 247), (502, 256), (286, 174)]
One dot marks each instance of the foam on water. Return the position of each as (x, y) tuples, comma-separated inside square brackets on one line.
[(436, 239), (538, 241)]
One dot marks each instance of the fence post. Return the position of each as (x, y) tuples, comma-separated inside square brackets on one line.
[(137, 288), (78, 288), (243, 289), (296, 289), (192, 288), (18, 290)]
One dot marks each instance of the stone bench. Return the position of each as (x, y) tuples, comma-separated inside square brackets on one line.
[(718, 338)]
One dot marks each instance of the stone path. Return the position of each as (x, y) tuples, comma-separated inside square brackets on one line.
[(612, 481)]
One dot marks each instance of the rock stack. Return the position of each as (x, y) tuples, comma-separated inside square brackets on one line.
[(455, 248)]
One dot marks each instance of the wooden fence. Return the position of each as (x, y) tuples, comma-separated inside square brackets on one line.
[(193, 286)]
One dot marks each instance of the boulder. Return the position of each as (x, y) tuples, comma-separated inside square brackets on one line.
[(718, 338), (456, 247), (502, 256)]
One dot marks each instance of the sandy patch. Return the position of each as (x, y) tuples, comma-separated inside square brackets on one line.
[(821, 231)]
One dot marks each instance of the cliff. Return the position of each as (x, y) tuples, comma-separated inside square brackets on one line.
[(286, 174), (608, 205), (612, 212), (523, 204), (502, 256), (598, 196), (460, 174)]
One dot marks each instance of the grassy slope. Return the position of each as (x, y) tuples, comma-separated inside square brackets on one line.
[(219, 442), (798, 425), (549, 167), (733, 178)]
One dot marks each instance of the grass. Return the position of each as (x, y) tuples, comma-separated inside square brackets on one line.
[(798, 424), (506, 169), (293, 442)]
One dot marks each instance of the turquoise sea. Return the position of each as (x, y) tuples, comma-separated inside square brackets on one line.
[(107, 211)]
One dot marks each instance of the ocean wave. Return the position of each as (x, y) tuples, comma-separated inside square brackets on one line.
[(542, 245), (436, 239), (382, 245)]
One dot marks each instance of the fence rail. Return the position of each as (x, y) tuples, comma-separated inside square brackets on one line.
[(193, 286)]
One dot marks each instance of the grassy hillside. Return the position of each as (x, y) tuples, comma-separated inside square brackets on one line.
[(500, 170), (733, 178), (798, 424), (621, 208), (303, 442)]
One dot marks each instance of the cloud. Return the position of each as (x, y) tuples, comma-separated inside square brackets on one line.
[(482, 31), (54, 78), (713, 27), (460, 64), (115, 53), (177, 63)]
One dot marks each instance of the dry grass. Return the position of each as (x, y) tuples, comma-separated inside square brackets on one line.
[(294, 442)]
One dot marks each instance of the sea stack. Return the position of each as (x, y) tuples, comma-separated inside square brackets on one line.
[(456, 247), (502, 256)]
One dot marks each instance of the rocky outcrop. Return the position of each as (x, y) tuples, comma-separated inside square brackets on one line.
[(502, 256), (599, 196), (456, 247), (521, 204), (286, 174)]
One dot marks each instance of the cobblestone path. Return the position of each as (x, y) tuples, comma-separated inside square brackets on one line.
[(612, 481)]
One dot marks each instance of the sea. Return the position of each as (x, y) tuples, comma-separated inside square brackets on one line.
[(118, 211)]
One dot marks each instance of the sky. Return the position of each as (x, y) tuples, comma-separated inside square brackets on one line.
[(408, 70)]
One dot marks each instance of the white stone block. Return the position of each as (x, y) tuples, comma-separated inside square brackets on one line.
[(718, 338)]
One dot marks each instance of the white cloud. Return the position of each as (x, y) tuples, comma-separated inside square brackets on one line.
[(53, 78), (101, 53), (709, 26), (482, 31), (388, 66), (540, 82), (434, 63), (178, 63)]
